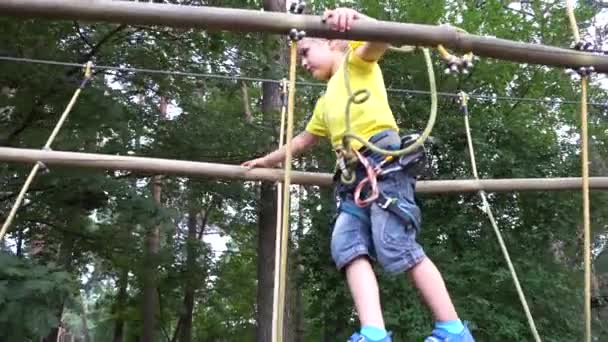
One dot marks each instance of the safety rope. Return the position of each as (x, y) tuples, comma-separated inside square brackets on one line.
[(347, 157), (584, 73), (487, 209), (47, 146), (362, 95), (586, 207), (284, 237), (572, 20), (278, 242)]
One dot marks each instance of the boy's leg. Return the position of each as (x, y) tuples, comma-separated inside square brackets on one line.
[(351, 249), (364, 290), (398, 251), (430, 284)]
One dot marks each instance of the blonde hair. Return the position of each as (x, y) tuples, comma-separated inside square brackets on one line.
[(340, 44), (336, 44)]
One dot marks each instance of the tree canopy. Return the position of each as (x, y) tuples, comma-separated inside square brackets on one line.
[(87, 247)]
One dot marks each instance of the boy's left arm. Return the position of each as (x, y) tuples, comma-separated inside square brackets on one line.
[(341, 19)]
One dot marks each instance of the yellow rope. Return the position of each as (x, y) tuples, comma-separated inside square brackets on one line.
[(403, 48), (284, 238), (572, 20), (445, 55), (585, 176), (448, 57), (362, 95), (34, 171), (488, 211), (278, 242), (586, 209)]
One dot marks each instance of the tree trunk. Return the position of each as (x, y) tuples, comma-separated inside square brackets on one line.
[(64, 259), (20, 242), (150, 306), (150, 297), (299, 315), (121, 300), (83, 319), (265, 270), (183, 330), (271, 105), (191, 244), (298, 312)]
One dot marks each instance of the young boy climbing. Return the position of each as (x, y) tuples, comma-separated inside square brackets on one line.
[(361, 234)]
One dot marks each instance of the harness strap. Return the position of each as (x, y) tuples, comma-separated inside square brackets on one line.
[(400, 209), (351, 208)]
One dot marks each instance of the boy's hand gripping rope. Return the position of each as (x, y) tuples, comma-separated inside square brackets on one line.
[(487, 209), (88, 74)]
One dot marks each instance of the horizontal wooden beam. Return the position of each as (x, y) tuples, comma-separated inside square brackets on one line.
[(235, 172), (214, 18)]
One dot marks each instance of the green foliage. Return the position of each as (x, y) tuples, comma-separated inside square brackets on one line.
[(94, 223), (29, 294)]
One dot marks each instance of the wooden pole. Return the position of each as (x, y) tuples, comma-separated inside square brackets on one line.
[(224, 171), (214, 18)]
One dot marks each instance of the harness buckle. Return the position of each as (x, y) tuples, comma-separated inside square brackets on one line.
[(387, 201), (345, 162)]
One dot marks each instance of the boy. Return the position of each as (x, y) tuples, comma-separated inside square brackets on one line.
[(372, 232)]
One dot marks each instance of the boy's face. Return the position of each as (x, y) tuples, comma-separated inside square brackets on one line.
[(317, 57)]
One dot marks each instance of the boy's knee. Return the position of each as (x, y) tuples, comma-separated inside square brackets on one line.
[(344, 253), (396, 247), (401, 261), (349, 240)]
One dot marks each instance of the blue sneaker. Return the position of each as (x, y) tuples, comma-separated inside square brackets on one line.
[(440, 335), (356, 337)]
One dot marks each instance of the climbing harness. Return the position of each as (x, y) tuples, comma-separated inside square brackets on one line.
[(376, 182), (347, 158), (406, 158), (376, 167), (88, 74), (488, 210)]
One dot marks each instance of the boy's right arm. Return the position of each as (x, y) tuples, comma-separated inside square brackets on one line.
[(342, 19), (300, 143)]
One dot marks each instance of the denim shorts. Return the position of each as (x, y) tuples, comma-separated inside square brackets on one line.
[(378, 233)]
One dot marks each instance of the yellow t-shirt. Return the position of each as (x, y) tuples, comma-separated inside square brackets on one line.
[(367, 119)]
